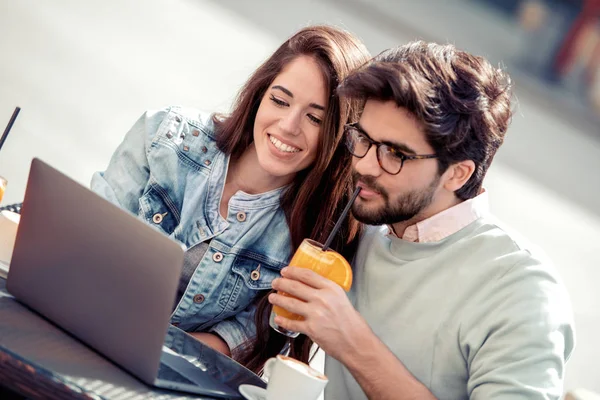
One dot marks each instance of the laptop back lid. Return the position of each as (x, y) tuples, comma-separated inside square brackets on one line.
[(95, 270)]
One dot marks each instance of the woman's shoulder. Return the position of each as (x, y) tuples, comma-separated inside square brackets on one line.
[(196, 118)]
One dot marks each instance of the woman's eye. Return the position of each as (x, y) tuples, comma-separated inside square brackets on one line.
[(278, 102), (315, 120)]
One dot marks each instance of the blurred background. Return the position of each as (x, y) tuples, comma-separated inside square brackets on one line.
[(83, 72)]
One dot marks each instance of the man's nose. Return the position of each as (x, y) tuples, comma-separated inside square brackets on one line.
[(368, 165)]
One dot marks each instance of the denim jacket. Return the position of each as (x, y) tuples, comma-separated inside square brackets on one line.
[(169, 172)]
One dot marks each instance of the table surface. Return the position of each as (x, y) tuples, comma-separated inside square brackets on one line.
[(39, 360)]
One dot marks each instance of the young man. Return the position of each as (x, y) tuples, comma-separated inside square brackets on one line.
[(445, 303)]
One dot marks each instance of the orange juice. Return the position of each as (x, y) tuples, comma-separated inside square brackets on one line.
[(328, 263), (2, 187)]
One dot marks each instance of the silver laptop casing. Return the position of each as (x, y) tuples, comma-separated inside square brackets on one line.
[(78, 259)]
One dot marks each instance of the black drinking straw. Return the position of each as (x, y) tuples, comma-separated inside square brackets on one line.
[(339, 221), (9, 126)]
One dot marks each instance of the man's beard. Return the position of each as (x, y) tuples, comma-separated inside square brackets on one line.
[(403, 208)]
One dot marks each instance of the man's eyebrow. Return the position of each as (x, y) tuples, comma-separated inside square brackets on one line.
[(396, 145), (287, 91)]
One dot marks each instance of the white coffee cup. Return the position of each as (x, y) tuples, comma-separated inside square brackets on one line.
[(291, 379), (9, 222)]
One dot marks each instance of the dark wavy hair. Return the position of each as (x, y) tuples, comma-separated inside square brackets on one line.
[(461, 100), (318, 194)]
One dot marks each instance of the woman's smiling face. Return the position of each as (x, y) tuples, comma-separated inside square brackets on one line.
[(288, 120)]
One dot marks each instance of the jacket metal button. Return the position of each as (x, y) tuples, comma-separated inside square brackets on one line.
[(186, 148), (204, 149), (199, 298), (241, 216), (178, 118), (255, 275), (217, 257), (195, 132), (207, 162), (158, 217), (169, 135)]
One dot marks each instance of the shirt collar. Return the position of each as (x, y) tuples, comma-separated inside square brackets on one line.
[(447, 222)]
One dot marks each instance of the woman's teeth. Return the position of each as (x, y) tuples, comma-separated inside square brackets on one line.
[(282, 146)]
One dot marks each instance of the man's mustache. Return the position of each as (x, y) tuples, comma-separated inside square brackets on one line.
[(368, 181)]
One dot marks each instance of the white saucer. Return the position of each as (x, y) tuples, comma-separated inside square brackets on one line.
[(251, 392)]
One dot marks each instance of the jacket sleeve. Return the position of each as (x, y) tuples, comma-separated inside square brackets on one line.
[(124, 180), (237, 330)]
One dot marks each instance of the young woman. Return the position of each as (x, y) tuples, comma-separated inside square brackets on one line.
[(241, 191)]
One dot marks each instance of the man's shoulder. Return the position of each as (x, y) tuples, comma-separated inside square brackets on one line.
[(501, 240), (486, 241), (487, 232), (511, 263)]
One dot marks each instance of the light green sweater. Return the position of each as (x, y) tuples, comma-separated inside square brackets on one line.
[(473, 316)]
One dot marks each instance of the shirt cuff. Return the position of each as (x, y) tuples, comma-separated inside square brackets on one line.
[(231, 333)]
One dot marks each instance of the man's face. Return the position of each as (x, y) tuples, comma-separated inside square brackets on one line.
[(387, 198)]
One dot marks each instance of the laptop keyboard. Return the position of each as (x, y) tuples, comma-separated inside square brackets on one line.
[(13, 207)]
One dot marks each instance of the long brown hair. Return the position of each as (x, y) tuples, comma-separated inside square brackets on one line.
[(317, 195)]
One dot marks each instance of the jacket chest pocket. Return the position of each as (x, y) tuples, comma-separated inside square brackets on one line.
[(157, 209), (253, 277)]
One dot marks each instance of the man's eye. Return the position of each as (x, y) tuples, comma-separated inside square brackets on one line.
[(395, 153)]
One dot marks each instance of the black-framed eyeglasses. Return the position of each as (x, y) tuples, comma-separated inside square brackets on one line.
[(390, 159)]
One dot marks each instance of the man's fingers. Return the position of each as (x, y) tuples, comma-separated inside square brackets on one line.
[(290, 325), (291, 304), (295, 288), (306, 276)]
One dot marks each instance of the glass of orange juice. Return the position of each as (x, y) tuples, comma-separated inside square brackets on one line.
[(326, 263), (3, 183)]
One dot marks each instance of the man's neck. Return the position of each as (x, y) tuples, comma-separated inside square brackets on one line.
[(433, 209)]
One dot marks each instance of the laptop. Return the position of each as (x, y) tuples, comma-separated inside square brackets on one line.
[(110, 280)]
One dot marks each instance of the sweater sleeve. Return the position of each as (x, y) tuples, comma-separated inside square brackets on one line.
[(516, 346)]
